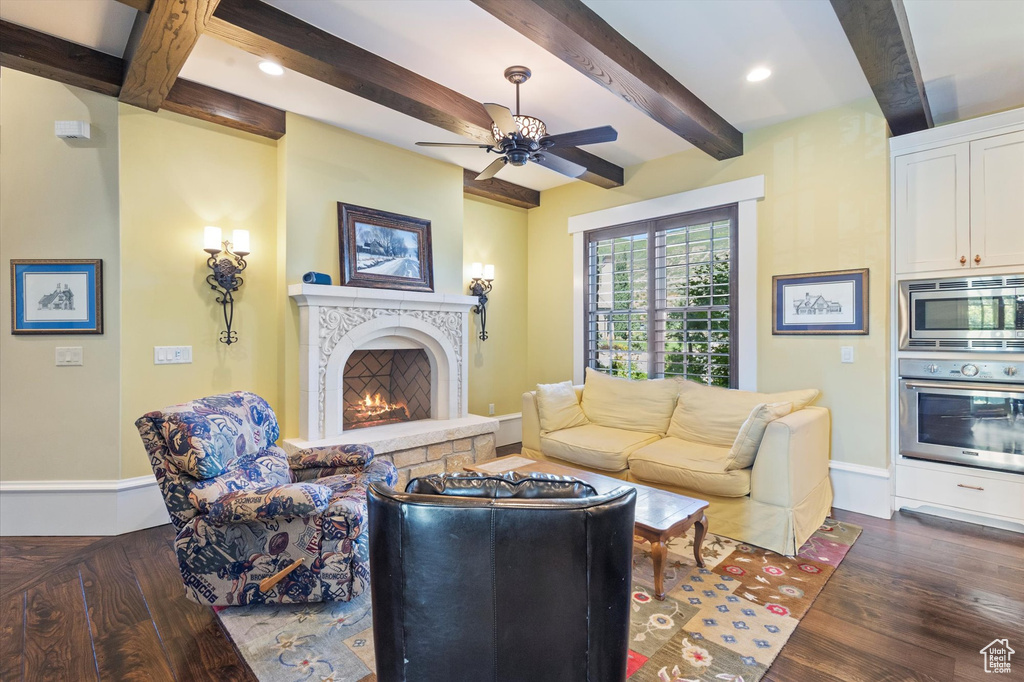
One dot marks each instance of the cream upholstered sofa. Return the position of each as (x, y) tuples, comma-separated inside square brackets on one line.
[(680, 436)]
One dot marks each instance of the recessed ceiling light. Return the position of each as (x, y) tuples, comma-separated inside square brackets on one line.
[(758, 74), (272, 68)]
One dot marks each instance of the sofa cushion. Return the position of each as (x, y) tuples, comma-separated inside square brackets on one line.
[(594, 446), (714, 415), (633, 405), (558, 407), (694, 466), (748, 440)]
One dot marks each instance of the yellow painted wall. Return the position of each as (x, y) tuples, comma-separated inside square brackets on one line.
[(496, 233), (826, 208), (179, 174), (322, 165), (58, 199)]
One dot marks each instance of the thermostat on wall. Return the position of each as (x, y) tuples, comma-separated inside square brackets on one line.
[(71, 130)]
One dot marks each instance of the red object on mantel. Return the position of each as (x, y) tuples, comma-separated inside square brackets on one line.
[(374, 412)]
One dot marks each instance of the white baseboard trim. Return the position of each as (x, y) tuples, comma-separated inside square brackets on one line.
[(861, 489), (510, 429), (80, 507), (1004, 522)]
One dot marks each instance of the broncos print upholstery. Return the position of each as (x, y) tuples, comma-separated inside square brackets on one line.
[(243, 509)]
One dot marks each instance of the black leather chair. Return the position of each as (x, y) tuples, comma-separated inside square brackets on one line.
[(500, 578)]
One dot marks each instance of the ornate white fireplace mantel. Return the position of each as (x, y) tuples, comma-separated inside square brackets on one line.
[(335, 321)]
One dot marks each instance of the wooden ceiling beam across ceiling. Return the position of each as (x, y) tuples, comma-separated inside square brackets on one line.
[(579, 37), (496, 189), (879, 34), (44, 55), (269, 33), (161, 41), (50, 57)]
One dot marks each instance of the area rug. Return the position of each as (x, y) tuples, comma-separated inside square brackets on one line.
[(726, 621)]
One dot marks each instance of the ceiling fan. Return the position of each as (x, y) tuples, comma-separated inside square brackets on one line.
[(519, 139)]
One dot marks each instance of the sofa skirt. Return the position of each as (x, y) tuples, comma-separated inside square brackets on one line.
[(779, 529)]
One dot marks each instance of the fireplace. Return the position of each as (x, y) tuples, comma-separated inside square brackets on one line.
[(385, 387)]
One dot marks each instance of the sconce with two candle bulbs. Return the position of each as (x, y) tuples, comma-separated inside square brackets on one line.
[(226, 263), (481, 281)]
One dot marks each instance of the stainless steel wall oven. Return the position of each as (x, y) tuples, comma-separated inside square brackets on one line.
[(963, 412)]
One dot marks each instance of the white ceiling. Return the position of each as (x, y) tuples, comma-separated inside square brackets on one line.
[(971, 54)]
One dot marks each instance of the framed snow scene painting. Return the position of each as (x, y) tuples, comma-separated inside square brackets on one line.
[(384, 250), (56, 296)]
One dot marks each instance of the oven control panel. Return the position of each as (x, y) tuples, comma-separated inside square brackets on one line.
[(962, 370)]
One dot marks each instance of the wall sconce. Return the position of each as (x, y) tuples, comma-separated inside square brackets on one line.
[(480, 286), (226, 262)]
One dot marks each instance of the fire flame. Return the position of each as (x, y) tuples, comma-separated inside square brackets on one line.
[(370, 407)]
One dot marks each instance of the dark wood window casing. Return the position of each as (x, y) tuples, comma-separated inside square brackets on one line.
[(660, 297)]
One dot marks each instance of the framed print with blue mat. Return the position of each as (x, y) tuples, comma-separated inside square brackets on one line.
[(56, 296), (820, 303)]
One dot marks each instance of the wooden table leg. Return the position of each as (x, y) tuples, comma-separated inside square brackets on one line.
[(658, 553), (700, 530)]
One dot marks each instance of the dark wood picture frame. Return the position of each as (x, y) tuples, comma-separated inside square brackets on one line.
[(813, 324), (355, 220), (91, 268)]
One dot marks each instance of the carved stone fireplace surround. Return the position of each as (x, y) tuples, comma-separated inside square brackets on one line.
[(335, 321)]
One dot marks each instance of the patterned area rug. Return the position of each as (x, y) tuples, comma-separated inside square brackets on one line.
[(727, 621)]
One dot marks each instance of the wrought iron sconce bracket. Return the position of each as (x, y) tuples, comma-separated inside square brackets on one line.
[(225, 268), (480, 287)]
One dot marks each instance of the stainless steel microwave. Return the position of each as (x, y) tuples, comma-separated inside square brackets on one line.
[(969, 314)]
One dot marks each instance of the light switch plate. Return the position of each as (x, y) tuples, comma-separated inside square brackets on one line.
[(69, 356), (846, 353), (172, 355)]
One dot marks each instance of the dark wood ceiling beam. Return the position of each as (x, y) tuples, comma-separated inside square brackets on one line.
[(50, 57), (209, 104), (496, 189), (269, 33), (579, 37), (168, 33), (879, 34)]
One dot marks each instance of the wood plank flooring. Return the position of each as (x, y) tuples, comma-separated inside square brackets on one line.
[(915, 599)]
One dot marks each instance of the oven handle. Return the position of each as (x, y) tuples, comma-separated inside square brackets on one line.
[(957, 385)]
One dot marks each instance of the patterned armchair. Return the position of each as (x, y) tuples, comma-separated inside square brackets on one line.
[(244, 510)]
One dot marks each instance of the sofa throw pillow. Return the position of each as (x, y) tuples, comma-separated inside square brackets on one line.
[(748, 440), (618, 403), (714, 415), (558, 407)]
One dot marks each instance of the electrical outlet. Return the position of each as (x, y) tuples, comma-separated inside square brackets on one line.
[(490, 409), (69, 356), (846, 353), (172, 355)]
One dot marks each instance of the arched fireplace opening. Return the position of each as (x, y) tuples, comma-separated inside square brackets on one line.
[(385, 386)]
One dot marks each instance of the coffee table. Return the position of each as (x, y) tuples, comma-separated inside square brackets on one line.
[(660, 514)]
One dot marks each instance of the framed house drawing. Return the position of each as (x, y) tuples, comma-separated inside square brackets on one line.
[(820, 303), (56, 296)]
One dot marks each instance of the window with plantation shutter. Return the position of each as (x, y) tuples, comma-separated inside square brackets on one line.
[(660, 298)]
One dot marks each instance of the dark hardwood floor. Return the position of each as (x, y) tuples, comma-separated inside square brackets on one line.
[(915, 599)]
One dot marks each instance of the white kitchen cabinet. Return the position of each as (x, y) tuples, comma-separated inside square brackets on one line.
[(958, 196), (932, 209), (997, 200)]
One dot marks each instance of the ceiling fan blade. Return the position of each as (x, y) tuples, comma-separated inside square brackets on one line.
[(492, 169), (581, 137), (502, 118), (454, 144), (573, 170)]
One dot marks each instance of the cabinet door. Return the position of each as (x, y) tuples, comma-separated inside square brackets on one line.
[(931, 193), (997, 200)]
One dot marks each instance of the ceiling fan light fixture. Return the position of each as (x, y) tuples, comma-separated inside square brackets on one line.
[(529, 127)]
